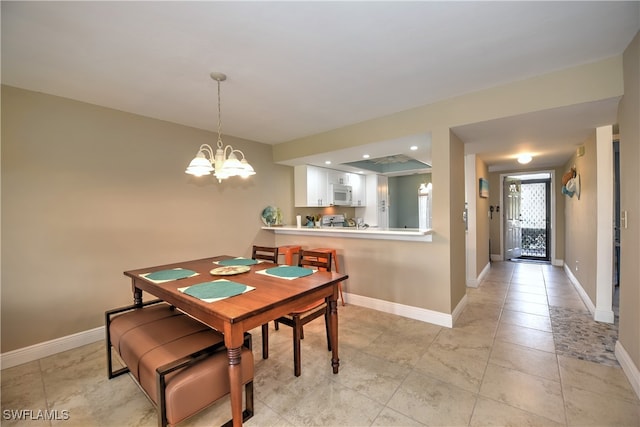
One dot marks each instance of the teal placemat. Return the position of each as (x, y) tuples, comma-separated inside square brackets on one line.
[(174, 274), (216, 290), (238, 261), (289, 271)]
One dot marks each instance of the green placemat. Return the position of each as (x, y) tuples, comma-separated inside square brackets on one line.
[(174, 274), (289, 271), (237, 261), (216, 290)]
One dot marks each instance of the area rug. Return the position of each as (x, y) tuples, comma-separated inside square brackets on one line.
[(577, 335)]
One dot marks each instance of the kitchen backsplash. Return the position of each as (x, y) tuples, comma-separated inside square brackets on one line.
[(333, 210)]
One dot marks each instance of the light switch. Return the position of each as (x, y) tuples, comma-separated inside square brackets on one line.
[(623, 219)]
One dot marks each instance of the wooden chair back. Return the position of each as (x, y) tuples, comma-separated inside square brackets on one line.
[(265, 253), (319, 260)]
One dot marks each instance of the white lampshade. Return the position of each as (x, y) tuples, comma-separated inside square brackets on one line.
[(247, 170), (199, 166), (232, 166)]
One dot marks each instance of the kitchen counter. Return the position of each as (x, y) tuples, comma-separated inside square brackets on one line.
[(411, 234)]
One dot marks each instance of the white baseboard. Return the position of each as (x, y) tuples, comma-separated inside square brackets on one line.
[(599, 315), (48, 348), (496, 257), (484, 272), (557, 262), (581, 292), (605, 316), (458, 310), (474, 282), (422, 314), (630, 370)]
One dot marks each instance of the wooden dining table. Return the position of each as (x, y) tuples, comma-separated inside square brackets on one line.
[(272, 297)]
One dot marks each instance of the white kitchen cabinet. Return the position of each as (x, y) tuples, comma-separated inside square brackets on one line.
[(359, 189), (376, 211), (338, 177), (311, 185)]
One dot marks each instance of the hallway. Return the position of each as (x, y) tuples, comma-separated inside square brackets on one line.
[(507, 362)]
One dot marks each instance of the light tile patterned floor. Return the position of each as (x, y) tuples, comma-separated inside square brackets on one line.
[(497, 367)]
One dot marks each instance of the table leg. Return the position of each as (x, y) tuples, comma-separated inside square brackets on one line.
[(333, 330), (235, 382), (137, 296)]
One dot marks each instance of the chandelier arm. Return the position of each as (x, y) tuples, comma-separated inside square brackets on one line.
[(206, 149), (231, 150), (238, 151)]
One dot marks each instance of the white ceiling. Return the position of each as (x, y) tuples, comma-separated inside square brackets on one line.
[(299, 68)]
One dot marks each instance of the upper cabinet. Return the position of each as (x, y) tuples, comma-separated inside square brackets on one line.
[(358, 187), (338, 177), (311, 186), (376, 213)]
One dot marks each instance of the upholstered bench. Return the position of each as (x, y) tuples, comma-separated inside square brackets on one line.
[(179, 363)]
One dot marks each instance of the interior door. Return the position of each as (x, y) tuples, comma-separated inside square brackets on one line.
[(512, 218)]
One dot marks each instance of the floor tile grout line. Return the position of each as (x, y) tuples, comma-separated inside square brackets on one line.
[(44, 389), (495, 338)]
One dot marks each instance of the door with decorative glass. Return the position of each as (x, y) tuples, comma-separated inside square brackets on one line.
[(535, 211), (512, 218)]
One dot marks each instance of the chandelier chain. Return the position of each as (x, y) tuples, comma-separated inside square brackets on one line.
[(220, 144)]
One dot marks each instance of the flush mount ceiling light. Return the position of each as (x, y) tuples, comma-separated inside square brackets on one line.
[(523, 159), (224, 163)]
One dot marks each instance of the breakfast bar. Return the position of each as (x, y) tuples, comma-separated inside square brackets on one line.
[(407, 234)]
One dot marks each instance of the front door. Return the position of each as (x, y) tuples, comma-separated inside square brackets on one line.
[(513, 220)]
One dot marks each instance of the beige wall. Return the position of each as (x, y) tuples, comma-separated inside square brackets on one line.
[(482, 217), (457, 233), (581, 220), (495, 187), (89, 192), (395, 271), (586, 83), (629, 329)]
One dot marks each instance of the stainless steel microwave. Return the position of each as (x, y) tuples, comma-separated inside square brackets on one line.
[(340, 195)]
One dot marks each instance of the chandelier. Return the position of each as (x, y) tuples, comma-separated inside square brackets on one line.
[(224, 163)]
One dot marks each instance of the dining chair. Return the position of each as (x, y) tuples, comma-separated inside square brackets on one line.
[(303, 315), (265, 253)]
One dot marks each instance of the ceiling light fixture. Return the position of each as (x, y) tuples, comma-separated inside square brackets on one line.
[(413, 147), (222, 165), (523, 159), (365, 156)]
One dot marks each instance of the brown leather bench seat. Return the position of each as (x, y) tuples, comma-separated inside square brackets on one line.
[(179, 363)]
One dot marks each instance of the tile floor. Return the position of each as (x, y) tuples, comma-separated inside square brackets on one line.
[(497, 367)]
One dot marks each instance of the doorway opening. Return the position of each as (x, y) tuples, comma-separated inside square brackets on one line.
[(529, 219), (616, 235)]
